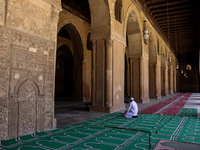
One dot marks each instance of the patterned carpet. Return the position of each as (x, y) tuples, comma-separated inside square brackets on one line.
[(188, 112), (176, 106), (156, 107), (114, 132)]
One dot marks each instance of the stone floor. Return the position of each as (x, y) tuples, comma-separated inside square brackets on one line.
[(194, 102), (69, 112)]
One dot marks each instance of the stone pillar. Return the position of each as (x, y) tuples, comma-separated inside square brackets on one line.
[(166, 80), (163, 81), (131, 77), (53, 37), (54, 24), (158, 80), (144, 78), (108, 67), (83, 80), (93, 80), (108, 77), (128, 80), (152, 81), (98, 65), (88, 80), (141, 79), (171, 80), (175, 88)]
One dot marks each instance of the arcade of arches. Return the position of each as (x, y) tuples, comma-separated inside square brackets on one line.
[(49, 53)]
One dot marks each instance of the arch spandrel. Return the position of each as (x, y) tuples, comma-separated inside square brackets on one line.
[(100, 22)]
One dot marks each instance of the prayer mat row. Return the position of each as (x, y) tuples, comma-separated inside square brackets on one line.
[(103, 131), (144, 122), (89, 137), (188, 112), (182, 126), (156, 107), (174, 107)]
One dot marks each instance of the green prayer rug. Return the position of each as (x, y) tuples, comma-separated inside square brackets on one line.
[(188, 112), (113, 131), (87, 137)]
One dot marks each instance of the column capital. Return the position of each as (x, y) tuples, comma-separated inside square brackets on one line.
[(94, 43), (131, 59), (108, 42)]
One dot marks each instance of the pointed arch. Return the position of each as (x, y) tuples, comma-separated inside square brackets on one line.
[(70, 24), (132, 29), (33, 81)]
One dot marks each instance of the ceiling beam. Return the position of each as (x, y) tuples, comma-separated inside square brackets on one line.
[(154, 1), (174, 12), (178, 34), (179, 19), (163, 9), (165, 4), (161, 18), (81, 2), (181, 24), (66, 7), (179, 29)]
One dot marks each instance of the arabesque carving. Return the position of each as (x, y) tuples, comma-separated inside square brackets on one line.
[(29, 74)]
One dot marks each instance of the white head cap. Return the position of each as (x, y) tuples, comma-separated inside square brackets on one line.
[(132, 98)]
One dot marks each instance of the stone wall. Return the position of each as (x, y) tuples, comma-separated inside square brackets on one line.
[(27, 69), (27, 64)]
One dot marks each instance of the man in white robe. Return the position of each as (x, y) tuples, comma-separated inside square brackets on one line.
[(132, 109)]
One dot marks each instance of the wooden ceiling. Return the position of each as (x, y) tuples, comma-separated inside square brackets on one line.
[(78, 7), (177, 21)]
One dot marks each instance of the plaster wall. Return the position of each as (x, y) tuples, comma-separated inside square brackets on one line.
[(30, 16), (135, 45), (2, 11), (118, 76), (135, 78), (100, 21)]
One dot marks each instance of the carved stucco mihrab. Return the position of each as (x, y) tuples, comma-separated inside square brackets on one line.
[(26, 83)]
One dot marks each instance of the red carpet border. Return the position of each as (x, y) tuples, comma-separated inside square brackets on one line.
[(152, 109), (175, 107)]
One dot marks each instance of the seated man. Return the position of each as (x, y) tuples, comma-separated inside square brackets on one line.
[(132, 109)]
